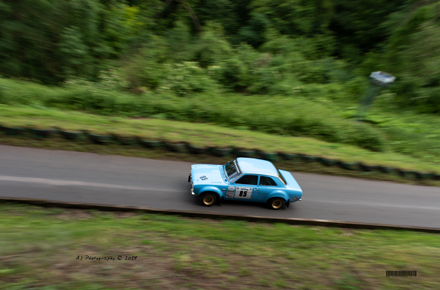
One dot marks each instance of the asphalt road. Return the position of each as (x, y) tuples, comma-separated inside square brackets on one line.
[(116, 180)]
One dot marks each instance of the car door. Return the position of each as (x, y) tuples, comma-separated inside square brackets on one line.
[(245, 188), (266, 185)]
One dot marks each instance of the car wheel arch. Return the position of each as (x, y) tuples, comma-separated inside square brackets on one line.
[(212, 189), (279, 194)]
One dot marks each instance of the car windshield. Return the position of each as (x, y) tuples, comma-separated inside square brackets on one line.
[(232, 169)]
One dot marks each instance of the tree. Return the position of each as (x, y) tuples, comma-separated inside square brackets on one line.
[(358, 25), (49, 40)]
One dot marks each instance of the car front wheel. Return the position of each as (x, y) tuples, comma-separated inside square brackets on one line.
[(276, 203), (208, 199)]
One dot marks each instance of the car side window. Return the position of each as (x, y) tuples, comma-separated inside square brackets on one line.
[(267, 181), (248, 179)]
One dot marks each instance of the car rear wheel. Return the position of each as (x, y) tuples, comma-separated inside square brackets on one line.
[(208, 199), (276, 203)]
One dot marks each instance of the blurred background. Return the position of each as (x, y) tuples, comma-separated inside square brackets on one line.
[(285, 67)]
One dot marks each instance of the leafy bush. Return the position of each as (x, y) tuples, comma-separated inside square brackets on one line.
[(145, 67), (50, 41), (247, 70), (111, 79), (186, 78), (308, 111), (15, 92), (279, 115), (411, 54), (212, 46)]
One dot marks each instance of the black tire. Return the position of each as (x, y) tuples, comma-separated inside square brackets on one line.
[(276, 203), (208, 199)]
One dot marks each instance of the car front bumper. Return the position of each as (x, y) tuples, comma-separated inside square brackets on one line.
[(192, 188)]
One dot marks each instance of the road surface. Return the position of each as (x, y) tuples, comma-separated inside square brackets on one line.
[(116, 180)]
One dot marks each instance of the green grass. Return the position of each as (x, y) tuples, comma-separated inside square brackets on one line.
[(304, 114), (204, 135), (39, 247)]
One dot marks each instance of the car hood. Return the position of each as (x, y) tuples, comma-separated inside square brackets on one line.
[(207, 174)]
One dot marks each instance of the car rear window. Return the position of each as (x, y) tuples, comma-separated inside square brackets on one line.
[(282, 178)]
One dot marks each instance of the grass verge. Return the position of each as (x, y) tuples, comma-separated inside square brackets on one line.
[(39, 250), (199, 135), (307, 113)]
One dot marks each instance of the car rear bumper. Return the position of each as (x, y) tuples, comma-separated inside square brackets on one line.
[(295, 198)]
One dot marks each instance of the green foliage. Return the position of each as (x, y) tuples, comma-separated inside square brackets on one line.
[(109, 80), (74, 53), (299, 59), (231, 14), (295, 17), (308, 113), (186, 78), (356, 88), (415, 134), (412, 55), (212, 47), (146, 67), (164, 63), (52, 40), (277, 115), (247, 46), (360, 26), (254, 30), (180, 43), (247, 70), (139, 58), (26, 93)]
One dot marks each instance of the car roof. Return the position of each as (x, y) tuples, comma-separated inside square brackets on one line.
[(256, 166)]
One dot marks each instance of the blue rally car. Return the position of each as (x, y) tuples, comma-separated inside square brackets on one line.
[(247, 179)]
